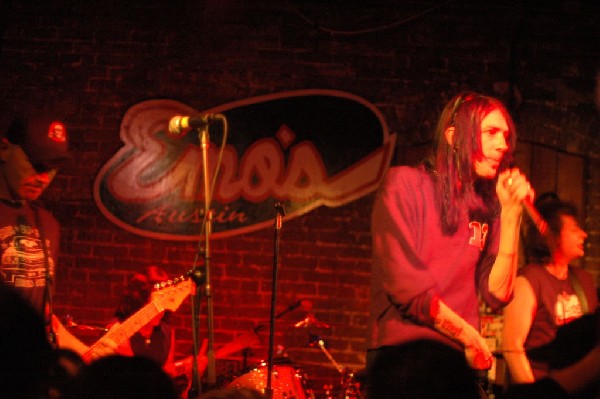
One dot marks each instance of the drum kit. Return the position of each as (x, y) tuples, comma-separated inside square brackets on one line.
[(288, 380)]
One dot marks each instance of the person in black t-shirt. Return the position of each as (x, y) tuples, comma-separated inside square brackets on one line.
[(31, 152)]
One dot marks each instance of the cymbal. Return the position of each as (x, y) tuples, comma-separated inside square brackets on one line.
[(311, 321)]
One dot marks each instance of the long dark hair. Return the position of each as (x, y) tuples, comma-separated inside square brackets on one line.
[(457, 185)]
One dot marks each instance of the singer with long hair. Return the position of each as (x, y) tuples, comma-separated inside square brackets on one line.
[(446, 232)]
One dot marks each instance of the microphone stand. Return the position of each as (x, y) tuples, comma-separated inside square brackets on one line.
[(278, 222), (204, 277), (211, 369)]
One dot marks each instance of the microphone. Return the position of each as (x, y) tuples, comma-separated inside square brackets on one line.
[(539, 222), (179, 124)]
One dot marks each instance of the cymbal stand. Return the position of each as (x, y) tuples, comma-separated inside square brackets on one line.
[(350, 389), (315, 340), (278, 223)]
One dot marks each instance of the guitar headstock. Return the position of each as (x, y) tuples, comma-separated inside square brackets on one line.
[(170, 294)]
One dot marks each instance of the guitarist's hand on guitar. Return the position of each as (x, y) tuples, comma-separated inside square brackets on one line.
[(102, 348)]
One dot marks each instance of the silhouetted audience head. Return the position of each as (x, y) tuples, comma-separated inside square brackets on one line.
[(122, 377), (25, 353), (63, 371), (421, 369)]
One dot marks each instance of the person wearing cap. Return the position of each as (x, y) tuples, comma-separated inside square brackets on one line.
[(31, 151)]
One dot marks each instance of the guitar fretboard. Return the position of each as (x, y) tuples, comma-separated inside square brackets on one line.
[(129, 327), (167, 298)]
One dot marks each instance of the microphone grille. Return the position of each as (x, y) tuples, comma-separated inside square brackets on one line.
[(175, 125)]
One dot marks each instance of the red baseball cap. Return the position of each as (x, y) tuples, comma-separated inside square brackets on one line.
[(43, 139)]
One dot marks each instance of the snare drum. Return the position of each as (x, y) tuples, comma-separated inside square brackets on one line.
[(287, 382)]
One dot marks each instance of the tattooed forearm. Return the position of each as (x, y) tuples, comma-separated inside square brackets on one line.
[(447, 327)]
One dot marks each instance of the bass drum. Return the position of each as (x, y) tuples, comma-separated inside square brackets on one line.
[(287, 381)]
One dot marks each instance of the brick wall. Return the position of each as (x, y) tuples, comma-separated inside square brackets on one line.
[(96, 59)]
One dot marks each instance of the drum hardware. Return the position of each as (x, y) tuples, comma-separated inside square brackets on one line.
[(304, 305), (349, 387)]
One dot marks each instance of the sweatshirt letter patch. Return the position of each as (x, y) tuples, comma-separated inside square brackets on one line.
[(479, 234)]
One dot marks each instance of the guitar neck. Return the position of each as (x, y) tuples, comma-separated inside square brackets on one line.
[(166, 298), (124, 331)]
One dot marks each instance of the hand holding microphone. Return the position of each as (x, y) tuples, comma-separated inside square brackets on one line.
[(513, 188)]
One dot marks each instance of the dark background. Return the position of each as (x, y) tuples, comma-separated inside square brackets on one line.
[(92, 60)]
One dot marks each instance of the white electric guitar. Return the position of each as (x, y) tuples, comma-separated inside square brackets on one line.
[(169, 296)]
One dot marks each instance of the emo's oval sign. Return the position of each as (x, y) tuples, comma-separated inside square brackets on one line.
[(302, 149)]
